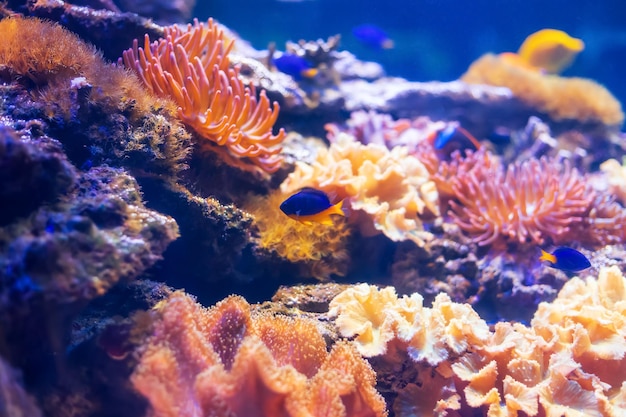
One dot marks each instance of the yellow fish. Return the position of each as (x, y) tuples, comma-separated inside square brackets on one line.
[(551, 50)]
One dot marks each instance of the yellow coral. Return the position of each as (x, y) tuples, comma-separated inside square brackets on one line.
[(376, 317), (561, 98), (571, 361), (386, 190), (318, 249), (616, 178)]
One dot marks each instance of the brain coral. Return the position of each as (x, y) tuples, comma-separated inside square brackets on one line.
[(388, 191), (571, 360), (224, 361), (561, 98)]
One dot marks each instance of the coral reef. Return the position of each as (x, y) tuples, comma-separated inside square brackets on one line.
[(561, 98), (569, 361), (319, 250), (225, 361), (79, 247), (388, 191), (192, 67), (73, 85)]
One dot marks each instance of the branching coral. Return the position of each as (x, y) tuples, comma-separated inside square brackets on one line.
[(561, 98), (226, 362), (318, 249), (571, 361), (389, 191), (192, 67)]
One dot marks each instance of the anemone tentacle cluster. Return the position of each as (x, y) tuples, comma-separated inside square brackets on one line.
[(192, 67), (535, 201)]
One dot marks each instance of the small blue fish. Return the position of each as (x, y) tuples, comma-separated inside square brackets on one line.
[(294, 65), (372, 36), (566, 259), (311, 206), (443, 137)]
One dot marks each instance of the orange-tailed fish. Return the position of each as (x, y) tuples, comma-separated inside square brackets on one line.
[(453, 131), (311, 206), (294, 65), (567, 259), (551, 50), (372, 36)]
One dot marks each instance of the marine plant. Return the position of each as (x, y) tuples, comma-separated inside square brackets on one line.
[(192, 67), (319, 250), (228, 361)]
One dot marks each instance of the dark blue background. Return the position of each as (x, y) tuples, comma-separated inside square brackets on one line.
[(438, 39)]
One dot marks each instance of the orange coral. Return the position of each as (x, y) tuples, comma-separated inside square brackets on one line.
[(561, 98), (225, 362), (319, 250), (571, 361), (192, 67)]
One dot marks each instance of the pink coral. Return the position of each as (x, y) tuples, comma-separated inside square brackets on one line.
[(224, 361), (192, 67), (536, 201), (528, 202)]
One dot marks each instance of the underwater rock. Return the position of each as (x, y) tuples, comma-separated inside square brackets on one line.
[(32, 173), (110, 31), (479, 108), (14, 401), (162, 11), (76, 249)]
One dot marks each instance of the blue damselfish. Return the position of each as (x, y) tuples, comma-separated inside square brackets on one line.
[(566, 259), (311, 206)]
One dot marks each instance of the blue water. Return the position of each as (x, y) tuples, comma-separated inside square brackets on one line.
[(438, 39)]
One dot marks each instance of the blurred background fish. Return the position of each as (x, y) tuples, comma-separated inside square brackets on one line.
[(372, 36), (294, 65), (549, 50)]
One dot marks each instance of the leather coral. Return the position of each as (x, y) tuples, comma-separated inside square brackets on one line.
[(570, 361), (225, 361), (191, 66)]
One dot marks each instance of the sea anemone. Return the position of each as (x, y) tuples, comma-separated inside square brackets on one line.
[(192, 67), (531, 201)]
